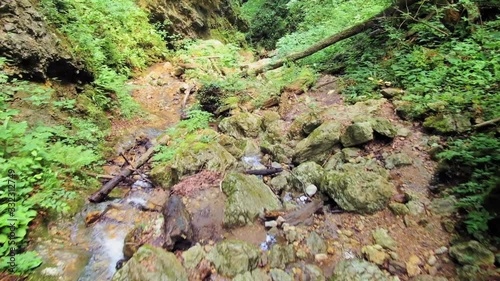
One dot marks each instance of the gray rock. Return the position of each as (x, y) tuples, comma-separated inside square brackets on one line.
[(281, 255), (151, 263), (193, 256), (381, 237), (303, 125), (397, 160), (310, 190), (279, 275), (241, 125), (178, 232), (305, 174), (280, 182), (315, 243), (247, 197), (256, 275), (355, 189), (357, 133), (335, 162), (318, 144), (312, 272), (444, 206), (441, 250), (233, 257), (472, 253), (358, 270)]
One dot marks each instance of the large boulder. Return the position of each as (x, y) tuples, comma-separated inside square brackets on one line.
[(188, 161), (34, 49), (233, 257), (318, 145), (358, 270), (355, 188), (247, 197), (357, 133), (241, 125), (472, 253), (151, 263)]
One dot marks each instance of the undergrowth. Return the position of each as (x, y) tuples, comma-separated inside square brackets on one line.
[(40, 165), (113, 38)]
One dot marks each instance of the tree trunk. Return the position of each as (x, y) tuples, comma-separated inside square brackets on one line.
[(402, 5)]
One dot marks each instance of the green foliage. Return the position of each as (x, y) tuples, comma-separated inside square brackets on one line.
[(475, 160), (112, 38), (42, 159)]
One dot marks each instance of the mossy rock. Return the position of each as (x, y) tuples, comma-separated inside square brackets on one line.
[(280, 152), (318, 145), (448, 123), (383, 127), (247, 197), (307, 173), (358, 270), (357, 189), (397, 160), (232, 145), (151, 263), (233, 257), (241, 125), (472, 253), (409, 110), (303, 125), (357, 133)]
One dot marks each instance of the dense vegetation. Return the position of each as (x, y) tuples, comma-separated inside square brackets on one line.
[(446, 58)]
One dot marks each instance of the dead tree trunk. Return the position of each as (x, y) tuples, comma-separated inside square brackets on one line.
[(102, 193), (402, 5)]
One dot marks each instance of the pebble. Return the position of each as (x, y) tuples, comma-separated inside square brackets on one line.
[(441, 250), (432, 260), (311, 190), (320, 257), (271, 224)]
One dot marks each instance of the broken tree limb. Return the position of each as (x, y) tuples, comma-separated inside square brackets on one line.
[(332, 39), (484, 124), (264, 172), (102, 193)]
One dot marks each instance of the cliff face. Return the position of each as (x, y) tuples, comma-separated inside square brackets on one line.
[(193, 18), (35, 50)]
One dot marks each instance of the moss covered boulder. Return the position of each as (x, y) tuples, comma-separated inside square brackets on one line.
[(472, 253), (383, 127), (355, 188), (318, 145), (307, 173), (233, 257), (357, 133), (151, 263), (448, 123), (358, 270), (190, 160), (241, 125), (247, 197)]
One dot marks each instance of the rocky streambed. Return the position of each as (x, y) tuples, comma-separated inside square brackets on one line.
[(350, 200)]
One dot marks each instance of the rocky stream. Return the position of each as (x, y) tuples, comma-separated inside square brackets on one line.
[(351, 199)]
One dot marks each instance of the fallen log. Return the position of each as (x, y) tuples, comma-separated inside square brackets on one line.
[(487, 123), (264, 172), (103, 192), (304, 214), (402, 4)]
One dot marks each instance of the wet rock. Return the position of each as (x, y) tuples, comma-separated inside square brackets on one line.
[(381, 237), (358, 270), (247, 197), (280, 256), (444, 206), (375, 253), (303, 125), (315, 243), (279, 275), (318, 144), (232, 257), (151, 263), (241, 125), (355, 189), (448, 123), (357, 133), (177, 226), (413, 266), (472, 253), (132, 242), (397, 160), (425, 277), (305, 174), (193, 256), (384, 127), (256, 275), (399, 209)]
